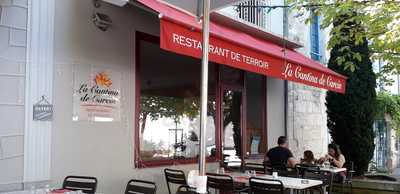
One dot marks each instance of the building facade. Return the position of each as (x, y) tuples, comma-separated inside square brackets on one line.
[(49, 48), (13, 51), (387, 141), (306, 125)]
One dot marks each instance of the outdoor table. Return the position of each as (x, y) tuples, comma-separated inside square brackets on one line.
[(332, 171), (288, 182)]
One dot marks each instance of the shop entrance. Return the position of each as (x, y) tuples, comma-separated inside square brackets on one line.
[(232, 120), (232, 106)]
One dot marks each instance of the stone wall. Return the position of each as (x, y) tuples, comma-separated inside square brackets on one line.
[(306, 117), (13, 30), (307, 120)]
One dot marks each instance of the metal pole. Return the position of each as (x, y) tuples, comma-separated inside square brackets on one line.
[(204, 86), (285, 32)]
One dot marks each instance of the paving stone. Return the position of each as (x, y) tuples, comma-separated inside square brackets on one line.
[(11, 170), (11, 66), (5, 2), (17, 37), (15, 89), (14, 53), (22, 3), (12, 120), (4, 38), (12, 146), (14, 17)]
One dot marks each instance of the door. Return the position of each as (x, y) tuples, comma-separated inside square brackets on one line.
[(232, 125)]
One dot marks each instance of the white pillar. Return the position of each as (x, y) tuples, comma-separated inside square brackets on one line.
[(39, 82)]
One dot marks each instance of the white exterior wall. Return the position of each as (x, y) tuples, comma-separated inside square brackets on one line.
[(275, 110), (13, 32), (104, 150)]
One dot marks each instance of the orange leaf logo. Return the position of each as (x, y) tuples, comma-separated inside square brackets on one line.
[(102, 79)]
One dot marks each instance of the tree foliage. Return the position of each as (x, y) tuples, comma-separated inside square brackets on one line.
[(380, 24), (156, 107), (389, 104), (351, 115)]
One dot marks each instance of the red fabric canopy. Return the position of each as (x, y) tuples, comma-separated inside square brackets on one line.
[(180, 32)]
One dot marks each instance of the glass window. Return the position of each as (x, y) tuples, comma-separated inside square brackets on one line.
[(169, 117), (231, 76), (314, 41), (256, 135)]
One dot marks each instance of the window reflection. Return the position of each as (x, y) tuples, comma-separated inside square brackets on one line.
[(232, 138), (256, 142), (169, 118)]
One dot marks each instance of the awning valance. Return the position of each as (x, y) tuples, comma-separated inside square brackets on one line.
[(180, 32)]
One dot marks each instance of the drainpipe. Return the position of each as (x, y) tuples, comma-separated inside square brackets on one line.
[(285, 37)]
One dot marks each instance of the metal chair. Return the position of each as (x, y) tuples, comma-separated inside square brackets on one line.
[(173, 176), (84, 183), (259, 168), (301, 168), (263, 186), (184, 189), (323, 176), (348, 181), (287, 172), (140, 187), (223, 182)]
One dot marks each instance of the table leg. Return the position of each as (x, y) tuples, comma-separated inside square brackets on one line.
[(331, 185)]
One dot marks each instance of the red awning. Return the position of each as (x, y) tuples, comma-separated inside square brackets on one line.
[(180, 32)]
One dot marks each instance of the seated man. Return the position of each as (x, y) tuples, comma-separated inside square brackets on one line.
[(280, 156)]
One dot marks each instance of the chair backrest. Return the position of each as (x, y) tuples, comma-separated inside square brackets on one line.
[(220, 182), (259, 168), (83, 183), (301, 168), (321, 175), (287, 172), (262, 186), (350, 170), (175, 177), (140, 187), (184, 189)]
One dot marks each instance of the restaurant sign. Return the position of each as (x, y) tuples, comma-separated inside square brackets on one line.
[(43, 110), (183, 40), (97, 94)]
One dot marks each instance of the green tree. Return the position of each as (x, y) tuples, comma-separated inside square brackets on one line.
[(380, 20), (351, 115), (156, 107)]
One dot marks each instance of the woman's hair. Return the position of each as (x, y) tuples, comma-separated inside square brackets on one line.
[(336, 148), (309, 156)]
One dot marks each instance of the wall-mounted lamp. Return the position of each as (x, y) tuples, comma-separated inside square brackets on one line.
[(120, 3), (101, 21)]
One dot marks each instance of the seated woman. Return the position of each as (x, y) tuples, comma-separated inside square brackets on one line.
[(308, 158), (334, 156), (336, 159)]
